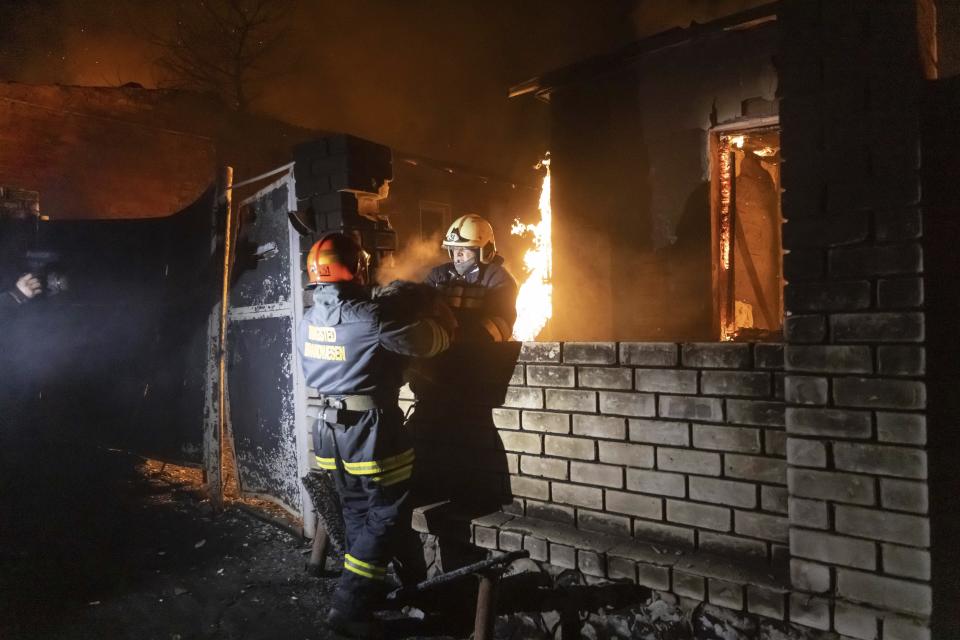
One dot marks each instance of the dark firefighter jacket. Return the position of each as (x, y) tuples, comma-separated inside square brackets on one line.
[(9, 300), (12, 243), (483, 300), (351, 344), (354, 348)]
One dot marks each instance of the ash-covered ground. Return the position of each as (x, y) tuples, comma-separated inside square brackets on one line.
[(102, 544), (98, 543)]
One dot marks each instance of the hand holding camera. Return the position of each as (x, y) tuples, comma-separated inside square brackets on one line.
[(43, 267), (29, 286)]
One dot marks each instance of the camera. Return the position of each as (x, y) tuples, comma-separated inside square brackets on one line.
[(45, 265)]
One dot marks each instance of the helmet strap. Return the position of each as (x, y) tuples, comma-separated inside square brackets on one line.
[(488, 252)]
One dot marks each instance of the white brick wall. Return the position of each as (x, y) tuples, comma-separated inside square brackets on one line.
[(673, 442)]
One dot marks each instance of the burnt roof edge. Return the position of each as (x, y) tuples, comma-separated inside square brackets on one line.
[(543, 84), (453, 168)]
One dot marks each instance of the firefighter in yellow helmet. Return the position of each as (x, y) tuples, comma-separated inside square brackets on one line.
[(475, 284)]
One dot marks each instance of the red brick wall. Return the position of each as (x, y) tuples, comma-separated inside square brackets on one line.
[(94, 165)]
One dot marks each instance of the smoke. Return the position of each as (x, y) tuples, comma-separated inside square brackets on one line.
[(421, 76), (80, 42), (413, 262)]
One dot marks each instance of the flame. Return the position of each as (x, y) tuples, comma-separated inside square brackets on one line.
[(726, 177), (727, 170), (535, 300)]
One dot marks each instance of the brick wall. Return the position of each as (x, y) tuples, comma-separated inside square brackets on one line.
[(677, 443), (103, 152), (856, 401), (941, 227)]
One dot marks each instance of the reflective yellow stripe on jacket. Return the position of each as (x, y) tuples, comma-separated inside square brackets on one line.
[(439, 340), (365, 569), (387, 471), (326, 463)]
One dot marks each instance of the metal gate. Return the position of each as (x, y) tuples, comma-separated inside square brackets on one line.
[(266, 410), (117, 358)]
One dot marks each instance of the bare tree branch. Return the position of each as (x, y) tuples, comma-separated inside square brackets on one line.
[(220, 46)]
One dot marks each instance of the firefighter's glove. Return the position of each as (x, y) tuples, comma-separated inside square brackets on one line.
[(28, 286), (412, 295), (444, 317), (408, 299), (387, 290)]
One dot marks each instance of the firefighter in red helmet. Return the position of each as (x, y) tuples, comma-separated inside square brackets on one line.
[(354, 347)]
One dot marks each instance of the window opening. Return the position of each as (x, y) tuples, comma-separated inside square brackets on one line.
[(748, 248)]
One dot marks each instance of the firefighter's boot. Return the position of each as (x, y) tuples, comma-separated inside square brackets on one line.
[(362, 628)]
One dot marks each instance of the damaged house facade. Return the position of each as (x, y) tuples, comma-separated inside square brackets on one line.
[(745, 396), (799, 447)]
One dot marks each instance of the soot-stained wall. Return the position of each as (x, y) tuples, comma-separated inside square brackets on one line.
[(631, 186)]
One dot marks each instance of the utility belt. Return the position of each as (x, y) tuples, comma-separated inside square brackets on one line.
[(345, 410)]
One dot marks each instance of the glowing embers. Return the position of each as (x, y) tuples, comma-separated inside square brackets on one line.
[(727, 143), (749, 275), (535, 300)]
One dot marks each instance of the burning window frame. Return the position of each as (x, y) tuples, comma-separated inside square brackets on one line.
[(723, 218)]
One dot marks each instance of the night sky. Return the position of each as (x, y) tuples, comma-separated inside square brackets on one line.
[(424, 76)]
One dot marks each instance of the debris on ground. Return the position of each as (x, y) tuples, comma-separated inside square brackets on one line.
[(109, 545)]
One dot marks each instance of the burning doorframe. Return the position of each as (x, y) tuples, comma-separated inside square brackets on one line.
[(723, 143)]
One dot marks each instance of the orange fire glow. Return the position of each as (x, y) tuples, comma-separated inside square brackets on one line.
[(725, 191), (535, 300), (727, 170)]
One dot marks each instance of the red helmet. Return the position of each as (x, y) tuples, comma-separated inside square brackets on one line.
[(336, 257)]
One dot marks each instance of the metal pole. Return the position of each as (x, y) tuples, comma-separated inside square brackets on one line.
[(486, 606), (227, 182), (469, 570)]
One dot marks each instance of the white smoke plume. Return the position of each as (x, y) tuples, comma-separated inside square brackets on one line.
[(413, 262)]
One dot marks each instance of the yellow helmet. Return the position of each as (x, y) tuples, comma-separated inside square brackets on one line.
[(471, 231)]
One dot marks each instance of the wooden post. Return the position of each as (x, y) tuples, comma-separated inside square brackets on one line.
[(318, 552), (215, 421), (486, 605), (569, 620)]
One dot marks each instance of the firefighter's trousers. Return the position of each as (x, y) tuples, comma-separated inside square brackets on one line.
[(371, 459)]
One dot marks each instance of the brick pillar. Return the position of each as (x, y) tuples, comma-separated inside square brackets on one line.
[(851, 85), (340, 181), (941, 231)]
